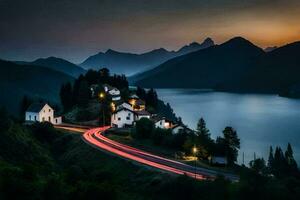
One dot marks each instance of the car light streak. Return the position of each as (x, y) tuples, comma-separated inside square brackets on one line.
[(96, 138)]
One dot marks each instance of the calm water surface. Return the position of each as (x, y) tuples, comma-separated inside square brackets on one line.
[(260, 120)]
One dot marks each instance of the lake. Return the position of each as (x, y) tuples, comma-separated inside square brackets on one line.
[(260, 120)]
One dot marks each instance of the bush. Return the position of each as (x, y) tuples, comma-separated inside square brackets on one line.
[(144, 128), (44, 132)]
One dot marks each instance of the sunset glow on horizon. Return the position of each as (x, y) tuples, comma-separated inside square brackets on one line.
[(77, 29)]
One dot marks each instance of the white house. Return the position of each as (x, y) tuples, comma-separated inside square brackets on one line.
[(125, 117), (114, 92), (162, 122), (122, 117), (40, 112)]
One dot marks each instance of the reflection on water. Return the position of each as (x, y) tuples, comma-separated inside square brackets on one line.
[(260, 120)]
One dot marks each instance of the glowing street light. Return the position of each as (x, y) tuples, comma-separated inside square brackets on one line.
[(195, 150), (101, 95)]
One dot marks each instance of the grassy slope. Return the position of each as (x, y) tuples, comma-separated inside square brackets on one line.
[(49, 164)]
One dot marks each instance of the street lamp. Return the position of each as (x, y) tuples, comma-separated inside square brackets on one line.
[(102, 96), (195, 150)]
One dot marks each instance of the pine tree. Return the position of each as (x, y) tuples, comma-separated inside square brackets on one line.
[(25, 103), (151, 98), (83, 94), (66, 97), (271, 159), (232, 143), (203, 137), (289, 157)]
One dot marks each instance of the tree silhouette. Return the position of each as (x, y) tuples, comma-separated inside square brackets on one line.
[(232, 144)]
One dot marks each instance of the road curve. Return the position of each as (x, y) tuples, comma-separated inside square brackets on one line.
[(96, 138)]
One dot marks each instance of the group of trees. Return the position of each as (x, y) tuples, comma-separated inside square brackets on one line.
[(79, 93), (226, 146), (279, 163), (145, 129), (150, 97), (155, 105)]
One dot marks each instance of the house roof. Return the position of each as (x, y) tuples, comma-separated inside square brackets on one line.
[(109, 87), (139, 102), (142, 112), (157, 118), (36, 107), (123, 108), (134, 96)]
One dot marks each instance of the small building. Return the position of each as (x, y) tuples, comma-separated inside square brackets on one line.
[(162, 122), (41, 112), (113, 92), (218, 160), (137, 103), (122, 117), (126, 117), (123, 104), (141, 114)]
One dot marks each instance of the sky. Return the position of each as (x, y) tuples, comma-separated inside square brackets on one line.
[(76, 29)]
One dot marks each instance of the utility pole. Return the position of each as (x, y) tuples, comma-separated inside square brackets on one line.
[(243, 158), (102, 97), (195, 150)]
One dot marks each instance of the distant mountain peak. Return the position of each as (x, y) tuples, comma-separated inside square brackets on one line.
[(193, 44), (269, 49), (239, 42), (238, 39), (110, 51), (208, 42)]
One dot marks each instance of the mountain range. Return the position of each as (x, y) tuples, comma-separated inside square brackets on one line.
[(129, 63), (236, 65), (36, 82), (57, 64)]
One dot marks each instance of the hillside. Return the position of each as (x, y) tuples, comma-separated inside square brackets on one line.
[(37, 82), (129, 63), (236, 66), (57, 64), (205, 68), (277, 71)]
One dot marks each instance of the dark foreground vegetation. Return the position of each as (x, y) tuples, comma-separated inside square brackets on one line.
[(40, 162)]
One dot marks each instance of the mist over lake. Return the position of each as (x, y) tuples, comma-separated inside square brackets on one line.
[(260, 120)]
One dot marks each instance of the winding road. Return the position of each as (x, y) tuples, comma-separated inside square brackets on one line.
[(95, 138)]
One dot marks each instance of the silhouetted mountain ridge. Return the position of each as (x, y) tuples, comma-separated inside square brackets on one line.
[(236, 65), (36, 82), (57, 64), (129, 63)]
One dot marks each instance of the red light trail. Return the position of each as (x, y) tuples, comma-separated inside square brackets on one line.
[(96, 138)]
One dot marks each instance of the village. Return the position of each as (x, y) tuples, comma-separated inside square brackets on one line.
[(120, 113), (124, 113)]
